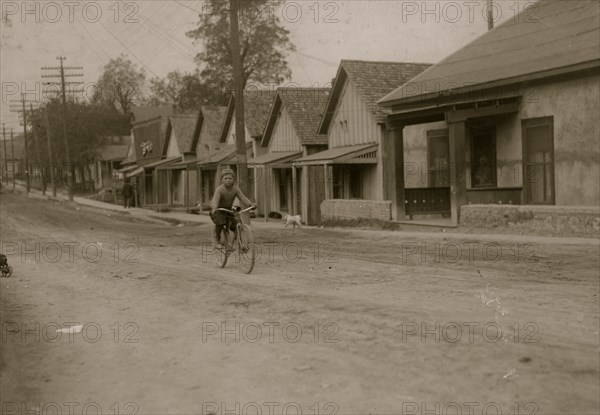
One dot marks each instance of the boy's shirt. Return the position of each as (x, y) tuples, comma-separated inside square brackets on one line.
[(224, 197)]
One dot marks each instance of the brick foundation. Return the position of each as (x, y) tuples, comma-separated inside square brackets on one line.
[(336, 209), (559, 220)]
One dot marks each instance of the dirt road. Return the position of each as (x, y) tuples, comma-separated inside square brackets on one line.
[(330, 322)]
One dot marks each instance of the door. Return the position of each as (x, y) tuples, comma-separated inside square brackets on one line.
[(538, 161)]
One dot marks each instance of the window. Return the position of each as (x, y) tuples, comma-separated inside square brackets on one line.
[(437, 158), (483, 155), (538, 160)]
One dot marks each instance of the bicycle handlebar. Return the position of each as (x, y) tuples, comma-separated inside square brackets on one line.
[(233, 211)]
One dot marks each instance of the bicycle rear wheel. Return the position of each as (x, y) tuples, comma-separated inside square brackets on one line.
[(221, 254), (247, 249)]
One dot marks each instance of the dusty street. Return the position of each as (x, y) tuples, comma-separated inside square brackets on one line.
[(329, 322)]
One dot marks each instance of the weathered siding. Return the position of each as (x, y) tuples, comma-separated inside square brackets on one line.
[(173, 148), (284, 136), (575, 105), (231, 133), (352, 123)]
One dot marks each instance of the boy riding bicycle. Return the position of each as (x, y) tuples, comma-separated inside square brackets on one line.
[(224, 196)]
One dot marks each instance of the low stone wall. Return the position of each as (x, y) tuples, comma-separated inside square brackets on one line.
[(340, 209), (559, 220)]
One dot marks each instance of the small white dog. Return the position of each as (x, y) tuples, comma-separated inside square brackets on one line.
[(293, 220)]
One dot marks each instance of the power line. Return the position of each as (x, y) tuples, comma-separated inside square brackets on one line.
[(62, 76)]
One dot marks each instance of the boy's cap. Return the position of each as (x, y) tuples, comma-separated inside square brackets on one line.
[(227, 171)]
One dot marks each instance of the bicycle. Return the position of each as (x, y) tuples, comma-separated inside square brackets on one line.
[(243, 242)]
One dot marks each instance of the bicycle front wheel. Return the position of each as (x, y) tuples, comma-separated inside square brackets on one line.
[(247, 249)]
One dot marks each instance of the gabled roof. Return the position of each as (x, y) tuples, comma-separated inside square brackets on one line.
[(305, 107), (257, 104), (149, 134), (560, 37), (373, 80), (184, 128), (131, 156), (210, 126), (112, 152), (143, 113)]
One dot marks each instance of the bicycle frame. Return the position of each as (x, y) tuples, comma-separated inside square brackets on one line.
[(243, 245), (237, 214)]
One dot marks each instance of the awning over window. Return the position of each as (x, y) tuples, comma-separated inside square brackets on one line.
[(161, 162), (127, 169), (225, 155), (135, 172), (280, 157), (363, 154), (181, 165)]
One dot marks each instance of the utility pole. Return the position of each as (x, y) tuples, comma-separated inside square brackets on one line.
[(62, 77), (37, 148), (5, 155), (236, 60), (12, 150), (490, 14), (23, 112), (52, 167)]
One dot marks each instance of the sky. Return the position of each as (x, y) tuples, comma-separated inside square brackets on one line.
[(152, 33)]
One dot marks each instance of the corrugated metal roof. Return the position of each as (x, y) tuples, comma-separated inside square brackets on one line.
[(558, 34), (274, 157), (334, 153)]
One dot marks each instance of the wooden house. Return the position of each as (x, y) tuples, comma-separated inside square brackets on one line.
[(511, 118), (290, 133), (145, 154), (352, 167), (222, 152), (180, 145)]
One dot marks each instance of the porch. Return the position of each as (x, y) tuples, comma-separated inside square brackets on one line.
[(347, 174), (276, 182), (476, 158)]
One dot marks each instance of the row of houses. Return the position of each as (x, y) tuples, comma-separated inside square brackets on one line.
[(511, 118)]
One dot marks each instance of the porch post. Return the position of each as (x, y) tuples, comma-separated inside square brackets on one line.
[(327, 177), (186, 185), (266, 177), (169, 183), (142, 189), (393, 156), (458, 186), (294, 192)]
